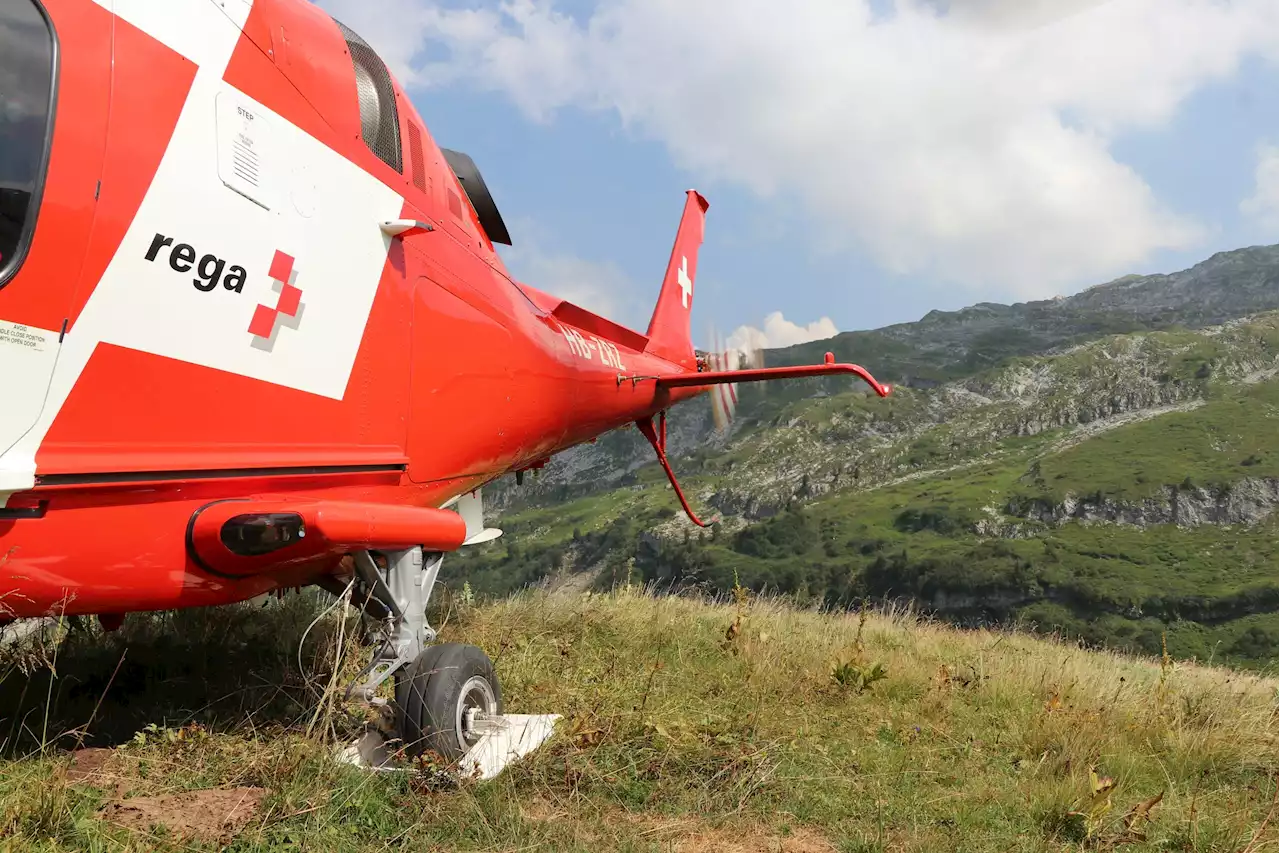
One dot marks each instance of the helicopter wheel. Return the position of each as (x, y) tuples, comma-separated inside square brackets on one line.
[(447, 700)]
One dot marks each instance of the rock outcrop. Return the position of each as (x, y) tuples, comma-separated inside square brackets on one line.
[(1246, 501)]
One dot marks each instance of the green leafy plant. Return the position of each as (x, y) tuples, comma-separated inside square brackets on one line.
[(858, 677), (854, 672)]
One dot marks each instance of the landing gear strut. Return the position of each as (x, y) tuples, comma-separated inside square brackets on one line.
[(447, 696)]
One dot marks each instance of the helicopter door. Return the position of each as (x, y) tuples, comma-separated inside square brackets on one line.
[(53, 59)]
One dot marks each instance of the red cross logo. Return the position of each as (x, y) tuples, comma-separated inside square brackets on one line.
[(264, 320)]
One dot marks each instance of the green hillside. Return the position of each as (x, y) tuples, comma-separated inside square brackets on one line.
[(1113, 487)]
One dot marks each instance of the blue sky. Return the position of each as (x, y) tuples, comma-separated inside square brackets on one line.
[(1003, 158), (589, 189)]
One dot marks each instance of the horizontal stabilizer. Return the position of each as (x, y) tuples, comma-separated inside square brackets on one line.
[(764, 374)]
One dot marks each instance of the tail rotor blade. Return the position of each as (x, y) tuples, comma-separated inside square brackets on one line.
[(724, 398)]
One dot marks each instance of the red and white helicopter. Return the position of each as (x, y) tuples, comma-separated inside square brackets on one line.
[(252, 323)]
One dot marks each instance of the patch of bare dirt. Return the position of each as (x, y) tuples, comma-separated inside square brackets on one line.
[(100, 768), (91, 766), (209, 815)]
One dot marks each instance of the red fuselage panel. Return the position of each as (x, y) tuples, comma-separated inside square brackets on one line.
[(238, 322)]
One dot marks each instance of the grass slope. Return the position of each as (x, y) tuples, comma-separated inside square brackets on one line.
[(741, 726), (1232, 436)]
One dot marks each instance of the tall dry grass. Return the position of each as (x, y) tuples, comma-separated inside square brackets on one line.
[(687, 722)]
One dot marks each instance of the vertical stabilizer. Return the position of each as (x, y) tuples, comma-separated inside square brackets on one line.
[(669, 335)]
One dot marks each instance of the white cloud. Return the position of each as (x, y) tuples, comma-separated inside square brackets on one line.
[(598, 286), (778, 332), (971, 144), (1021, 14), (1264, 203)]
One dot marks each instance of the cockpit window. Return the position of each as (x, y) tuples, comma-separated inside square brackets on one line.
[(27, 55), (379, 121)]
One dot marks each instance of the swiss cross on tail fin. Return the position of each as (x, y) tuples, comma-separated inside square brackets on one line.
[(669, 335)]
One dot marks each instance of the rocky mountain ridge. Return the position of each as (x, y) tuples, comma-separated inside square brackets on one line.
[(955, 354), (1111, 478)]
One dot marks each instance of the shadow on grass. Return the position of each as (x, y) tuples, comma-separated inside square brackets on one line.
[(223, 668)]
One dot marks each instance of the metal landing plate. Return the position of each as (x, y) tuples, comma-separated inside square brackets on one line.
[(516, 736)]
